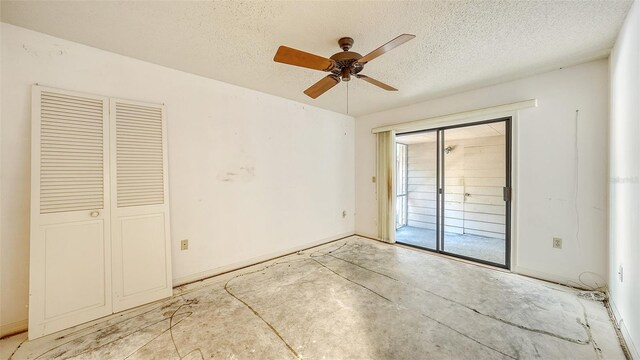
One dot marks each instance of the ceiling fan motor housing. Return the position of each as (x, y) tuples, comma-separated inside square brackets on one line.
[(346, 64)]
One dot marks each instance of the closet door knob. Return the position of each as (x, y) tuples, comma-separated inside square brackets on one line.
[(95, 213)]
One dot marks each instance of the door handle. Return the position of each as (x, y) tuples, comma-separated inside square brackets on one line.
[(506, 193), (95, 213), (467, 194)]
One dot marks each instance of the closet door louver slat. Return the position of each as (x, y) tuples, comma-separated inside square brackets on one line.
[(139, 127), (58, 154)]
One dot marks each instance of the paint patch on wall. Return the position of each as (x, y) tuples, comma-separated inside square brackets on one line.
[(241, 174), (55, 50)]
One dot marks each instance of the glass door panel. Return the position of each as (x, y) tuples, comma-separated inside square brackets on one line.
[(420, 181), (401, 185), (474, 177)]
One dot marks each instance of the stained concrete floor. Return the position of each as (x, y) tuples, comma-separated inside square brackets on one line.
[(477, 247), (352, 299)]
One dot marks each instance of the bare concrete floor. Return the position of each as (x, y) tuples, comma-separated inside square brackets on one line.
[(352, 299)]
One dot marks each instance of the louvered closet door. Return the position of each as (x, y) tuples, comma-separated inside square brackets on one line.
[(139, 204), (70, 269)]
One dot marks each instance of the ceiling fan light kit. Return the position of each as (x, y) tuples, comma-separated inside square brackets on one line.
[(342, 65)]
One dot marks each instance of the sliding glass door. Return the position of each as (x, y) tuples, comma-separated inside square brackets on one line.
[(458, 191)]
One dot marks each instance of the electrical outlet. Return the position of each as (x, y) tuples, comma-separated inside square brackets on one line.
[(620, 272), (344, 214), (373, 179), (557, 243), (184, 244)]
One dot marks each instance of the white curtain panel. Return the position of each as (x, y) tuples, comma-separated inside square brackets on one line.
[(386, 179)]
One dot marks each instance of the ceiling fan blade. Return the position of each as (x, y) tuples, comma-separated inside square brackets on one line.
[(322, 86), (287, 55), (376, 82), (386, 47)]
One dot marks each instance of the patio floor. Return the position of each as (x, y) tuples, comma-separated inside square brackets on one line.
[(478, 247)]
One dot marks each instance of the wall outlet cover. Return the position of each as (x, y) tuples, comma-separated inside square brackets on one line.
[(184, 245), (557, 243)]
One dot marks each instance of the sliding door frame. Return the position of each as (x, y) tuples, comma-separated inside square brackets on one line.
[(440, 186)]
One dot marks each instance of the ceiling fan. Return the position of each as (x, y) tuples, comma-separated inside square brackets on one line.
[(341, 65)]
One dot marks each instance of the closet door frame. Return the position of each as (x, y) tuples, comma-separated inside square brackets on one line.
[(71, 231)]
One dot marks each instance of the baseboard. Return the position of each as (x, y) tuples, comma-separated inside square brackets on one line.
[(368, 236), (253, 261), (13, 328), (561, 280), (619, 322)]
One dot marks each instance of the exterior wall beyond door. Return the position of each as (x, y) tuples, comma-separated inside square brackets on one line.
[(421, 180), (475, 167)]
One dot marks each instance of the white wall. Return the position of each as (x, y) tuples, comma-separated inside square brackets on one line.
[(624, 187), (550, 200), (251, 175)]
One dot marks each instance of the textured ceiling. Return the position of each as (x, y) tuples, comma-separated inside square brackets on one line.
[(459, 45)]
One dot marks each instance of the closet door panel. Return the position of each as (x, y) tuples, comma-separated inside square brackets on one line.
[(70, 266), (86, 241), (143, 237), (139, 205)]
